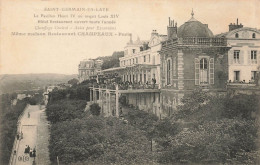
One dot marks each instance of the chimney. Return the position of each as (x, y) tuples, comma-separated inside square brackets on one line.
[(154, 32), (171, 29), (235, 26)]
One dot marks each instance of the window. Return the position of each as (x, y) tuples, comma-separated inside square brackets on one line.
[(140, 77), (126, 77), (136, 60), (168, 72), (130, 78), (133, 61), (253, 75), (148, 58), (133, 50), (236, 56), (144, 58), (144, 78), (236, 76), (203, 71), (133, 78), (237, 35), (253, 35), (253, 57)]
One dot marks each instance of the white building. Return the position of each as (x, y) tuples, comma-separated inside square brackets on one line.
[(244, 56)]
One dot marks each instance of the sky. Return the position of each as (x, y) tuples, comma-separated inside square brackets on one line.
[(55, 54)]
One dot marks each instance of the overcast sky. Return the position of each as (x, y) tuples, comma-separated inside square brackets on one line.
[(23, 54)]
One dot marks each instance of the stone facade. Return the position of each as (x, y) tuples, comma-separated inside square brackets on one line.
[(192, 62), (88, 68)]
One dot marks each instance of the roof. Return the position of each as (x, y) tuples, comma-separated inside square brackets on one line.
[(194, 28), (226, 34)]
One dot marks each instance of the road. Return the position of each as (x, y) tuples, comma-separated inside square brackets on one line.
[(34, 127)]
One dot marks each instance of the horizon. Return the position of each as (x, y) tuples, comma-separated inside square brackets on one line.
[(62, 54)]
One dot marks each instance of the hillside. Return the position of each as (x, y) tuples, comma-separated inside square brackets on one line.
[(111, 61), (15, 82)]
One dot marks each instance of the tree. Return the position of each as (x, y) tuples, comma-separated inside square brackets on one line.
[(95, 109), (73, 81)]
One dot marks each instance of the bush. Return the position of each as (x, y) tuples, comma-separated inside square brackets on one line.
[(9, 118), (63, 110), (95, 109)]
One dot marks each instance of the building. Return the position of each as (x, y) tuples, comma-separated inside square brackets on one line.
[(244, 56), (155, 75), (88, 68), (137, 78), (191, 58)]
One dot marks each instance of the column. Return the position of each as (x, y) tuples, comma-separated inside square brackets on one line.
[(117, 101), (94, 95), (107, 104), (180, 70), (109, 99), (101, 99), (142, 76)]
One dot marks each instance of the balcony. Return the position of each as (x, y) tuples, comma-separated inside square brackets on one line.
[(202, 41), (242, 85), (130, 87)]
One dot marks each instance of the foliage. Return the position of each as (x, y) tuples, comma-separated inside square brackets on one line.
[(244, 106), (80, 92), (122, 100), (111, 61), (9, 118), (95, 109), (63, 110), (212, 142), (192, 102), (142, 120), (98, 140), (73, 81), (218, 130)]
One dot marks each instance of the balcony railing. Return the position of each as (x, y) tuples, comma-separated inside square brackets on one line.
[(127, 86), (202, 41)]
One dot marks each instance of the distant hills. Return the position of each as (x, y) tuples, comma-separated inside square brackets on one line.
[(10, 83)]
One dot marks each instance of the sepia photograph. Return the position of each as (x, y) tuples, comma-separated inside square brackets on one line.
[(132, 82)]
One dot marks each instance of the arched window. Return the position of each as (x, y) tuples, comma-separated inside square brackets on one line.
[(237, 35), (253, 35), (203, 71)]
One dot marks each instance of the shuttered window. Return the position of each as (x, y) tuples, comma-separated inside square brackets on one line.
[(211, 71)]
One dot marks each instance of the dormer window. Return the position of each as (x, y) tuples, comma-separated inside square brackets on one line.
[(253, 35), (237, 35)]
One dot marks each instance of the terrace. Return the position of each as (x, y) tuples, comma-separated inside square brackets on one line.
[(198, 41)]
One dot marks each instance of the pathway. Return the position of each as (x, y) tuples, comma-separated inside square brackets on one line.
[(35, 134)]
